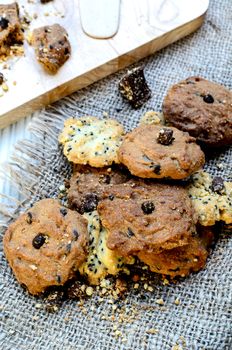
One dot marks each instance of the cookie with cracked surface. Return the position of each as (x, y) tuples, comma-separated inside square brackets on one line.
[(153, 151), (142, 216), (93, 141), (101, 260), (211, 198), (202, 108), (10, 27), (46, 245), (52, 46), (181, 261), (89, 185)]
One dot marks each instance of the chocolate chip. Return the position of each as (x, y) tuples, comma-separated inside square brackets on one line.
[(165, 137), (130, 233), (157, 169), (1, 78), (111, 197), (218, 184), (90, 202), (76, 234), (148, 207), (29, 218), (208, 98), (63, 211), (4, 22), (38, 241)]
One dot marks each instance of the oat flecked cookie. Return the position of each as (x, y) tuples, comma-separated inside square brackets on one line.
[(211, 198), (46, 245), (101, 260), (93, 141), (154, 151), (202, 108), (52, 46), (143, 217), (89, 185)]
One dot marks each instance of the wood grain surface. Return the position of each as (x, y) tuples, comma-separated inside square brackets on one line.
[(145, 27)]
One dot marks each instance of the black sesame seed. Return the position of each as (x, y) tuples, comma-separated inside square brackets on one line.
[(218, 184), (58, 278), (148, 207), (4, 22), (130, 233), (76, 235), (29, 218), (111, 197), (1, 78), (63, 211), (208, 98), (68, 247), (38, 241)]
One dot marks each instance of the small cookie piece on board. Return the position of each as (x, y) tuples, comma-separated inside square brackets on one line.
[(211, 198), (52, 46), (89, 185), (10, 28), (181, 261), (93, 141), (46, 245), (144, 216), (133, 87), (202, 108), (152, 117), (153, 151)]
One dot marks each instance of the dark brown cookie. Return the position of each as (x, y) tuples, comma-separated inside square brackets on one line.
[(142, 217), (51, 46), (10, 27), (202, 108), (153, 151), (88, 185), (182, 260), (46, 245)]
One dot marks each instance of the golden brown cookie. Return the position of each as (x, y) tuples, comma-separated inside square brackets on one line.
[(52, 46), (140, 217), (10, 27), (202, 108), (89, 185), (46, 245), (181, 261), (153, 151)]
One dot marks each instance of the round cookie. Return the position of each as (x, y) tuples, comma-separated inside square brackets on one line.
[(88, 185), (202, 108), (153, 151), (46, 245), (93, 141), (141, 217), (211, 198)]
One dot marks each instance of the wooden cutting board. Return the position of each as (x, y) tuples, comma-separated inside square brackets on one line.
[(145, 27)]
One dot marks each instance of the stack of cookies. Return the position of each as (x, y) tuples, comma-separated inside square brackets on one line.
[(140, 196)]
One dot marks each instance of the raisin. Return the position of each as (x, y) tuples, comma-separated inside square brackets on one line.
[(148, 207), (4, 23), (157, 169), (1, 78), (63, 211), (38, 241), (218, 184), (76, 234), (130, 233), (208, 98), (90, 202), (165, 137), (29, 218)]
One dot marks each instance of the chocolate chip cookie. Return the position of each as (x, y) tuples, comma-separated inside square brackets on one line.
[(143, 216), (46, 245), (52, 46), (202, 108), (89, 185), (154, 151)]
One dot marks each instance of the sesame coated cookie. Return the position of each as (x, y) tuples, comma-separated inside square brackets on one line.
[(93, 141), (202, 108), (211, 198), (154, 151), (46, 245)]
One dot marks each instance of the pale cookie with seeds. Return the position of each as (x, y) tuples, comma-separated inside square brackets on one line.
[(101, 260), (152, 117), (93, 141), (46, 245), (211, 198)]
